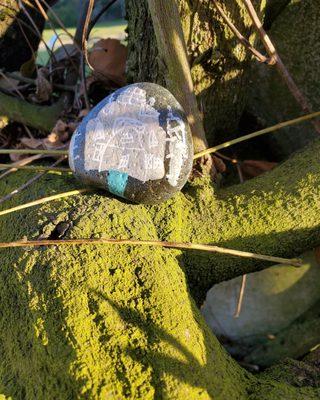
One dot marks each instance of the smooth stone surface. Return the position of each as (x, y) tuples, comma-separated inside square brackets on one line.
[(136, 143), (274, 298)]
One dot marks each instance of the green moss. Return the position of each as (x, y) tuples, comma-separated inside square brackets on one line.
[(119, 321), (93, 322)]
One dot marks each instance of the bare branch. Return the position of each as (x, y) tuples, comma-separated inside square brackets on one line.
[(257, 133), (260, 57), (294, 89)]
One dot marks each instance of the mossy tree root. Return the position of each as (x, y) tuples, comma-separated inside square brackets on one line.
[(39, 117), (121, 322)]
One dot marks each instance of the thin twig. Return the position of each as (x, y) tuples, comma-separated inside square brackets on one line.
[(282, 69), (241, 296), (175, 245), (84, 26), (240, 173), (18, 77), (44, 200), (39, 34), (34, 151), (60, 23), (29, 182), (260, 57), (85, 31), (34, 57), (257, 133), (99, 15), (12, 85), (81, 39), (24, 161), (224, 157), (37, 168), (244, 277), (46, 17)]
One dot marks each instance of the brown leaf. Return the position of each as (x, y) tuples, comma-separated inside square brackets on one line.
[(58, 139), (108, 58), (44, 87), (253, 168)]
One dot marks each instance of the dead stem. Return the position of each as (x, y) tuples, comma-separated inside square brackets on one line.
[(260, 57), (257, 133), (30, 181), (133, 242)]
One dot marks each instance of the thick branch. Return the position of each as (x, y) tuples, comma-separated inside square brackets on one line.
[(126, 313), (276, 214), (173, 53), (39, 117)]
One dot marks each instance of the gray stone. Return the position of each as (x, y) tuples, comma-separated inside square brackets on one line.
[(274, 298), (136, 143)]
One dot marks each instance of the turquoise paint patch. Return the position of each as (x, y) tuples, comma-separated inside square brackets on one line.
[(117, 182)]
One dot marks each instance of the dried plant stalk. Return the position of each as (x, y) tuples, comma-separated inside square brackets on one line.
[(174, 245)]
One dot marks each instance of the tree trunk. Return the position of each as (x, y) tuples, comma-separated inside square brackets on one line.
[(19, 38), (121, 322), (219, 63)]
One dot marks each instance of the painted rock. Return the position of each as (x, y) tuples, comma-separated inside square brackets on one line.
[(136, 143)]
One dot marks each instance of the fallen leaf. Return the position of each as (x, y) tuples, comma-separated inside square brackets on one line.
[(44, 87), (58, 139), (31, 143), (253, 168), (108, 59)]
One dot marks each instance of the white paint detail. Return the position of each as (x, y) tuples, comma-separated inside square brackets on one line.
[(126, 136), (178, 146)]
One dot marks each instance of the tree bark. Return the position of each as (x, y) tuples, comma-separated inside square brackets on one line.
[(18, 37), (121, 322), (173, 51), (219, 64)]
